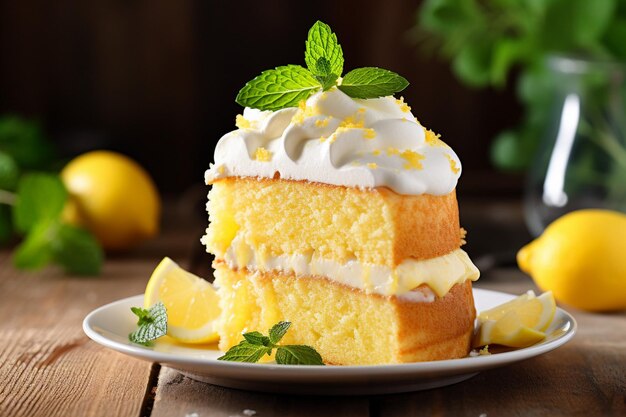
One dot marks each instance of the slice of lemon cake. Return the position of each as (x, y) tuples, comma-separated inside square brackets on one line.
[(340, 216)]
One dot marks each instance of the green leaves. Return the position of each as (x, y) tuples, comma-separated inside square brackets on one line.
[(278, 331), (25, 142), (286, 86), (9, 172), (298, 355), (372, 82), (255, 345), (39, 202), (486, 41), (322, 43), (245, 352), (152, 324), (278, 88), (40, 197), (76, 250)]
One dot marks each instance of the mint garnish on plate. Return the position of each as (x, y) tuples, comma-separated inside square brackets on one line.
[(256, 344), (152, 324), (286, 86)]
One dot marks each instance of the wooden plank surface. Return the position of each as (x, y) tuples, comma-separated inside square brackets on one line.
[(48, 367)]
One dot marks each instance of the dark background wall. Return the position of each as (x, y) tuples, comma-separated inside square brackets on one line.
[(157, 79)]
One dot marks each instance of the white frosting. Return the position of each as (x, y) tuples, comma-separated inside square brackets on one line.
[(339, 140), (440, 273)]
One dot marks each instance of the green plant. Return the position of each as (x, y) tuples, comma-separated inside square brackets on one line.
[(32, 198), (485, 40)]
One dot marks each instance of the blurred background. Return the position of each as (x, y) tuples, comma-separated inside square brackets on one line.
[(530, 94), (157, 80)]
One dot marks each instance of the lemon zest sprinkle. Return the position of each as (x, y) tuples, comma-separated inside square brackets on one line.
[(242, 123), (433, 139), (376, 152), (405, 108), (262, 155), (372, 165), (369, 133), (413, 159), (321, 122), (455, 169)]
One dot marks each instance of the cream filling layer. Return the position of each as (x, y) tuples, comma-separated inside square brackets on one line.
[(440, 273)]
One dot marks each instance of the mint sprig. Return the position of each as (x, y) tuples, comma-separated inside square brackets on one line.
[(255, 345), (287, 86), (152, 324)]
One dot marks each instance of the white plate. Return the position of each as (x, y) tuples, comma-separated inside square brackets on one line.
[(110, 325)]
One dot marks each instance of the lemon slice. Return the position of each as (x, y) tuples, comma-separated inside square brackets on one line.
[(534, 312), (192, 303), (517, 323)]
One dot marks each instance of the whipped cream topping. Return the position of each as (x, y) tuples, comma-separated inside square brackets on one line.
[(335, 139), (440, 273)]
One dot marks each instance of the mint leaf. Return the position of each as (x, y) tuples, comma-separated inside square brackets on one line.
[(40, 197), (372, 82), (35, 251), (277, 332), (322, 43), (245, 352), (152, 324), (327, 82), (256, 338), (278, 88), (298, 355), (9, 172), (77, 250), (143, 314), (322, 67)]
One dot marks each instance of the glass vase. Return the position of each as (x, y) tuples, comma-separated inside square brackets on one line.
[(581, 161)]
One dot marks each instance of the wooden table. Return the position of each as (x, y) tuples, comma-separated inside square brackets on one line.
[(48, 367)]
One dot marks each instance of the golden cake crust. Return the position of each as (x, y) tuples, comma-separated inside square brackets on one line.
[(419, 226), (346, 325)]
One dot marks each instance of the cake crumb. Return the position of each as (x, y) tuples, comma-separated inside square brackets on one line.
[(192, 415), (248, 413), (463, 236), (482, 352)]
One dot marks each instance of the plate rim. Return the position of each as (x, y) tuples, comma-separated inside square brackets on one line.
[(465, 364)]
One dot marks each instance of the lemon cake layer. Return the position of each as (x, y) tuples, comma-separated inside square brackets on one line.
[(439, 273), (372, 226), (345, 325)]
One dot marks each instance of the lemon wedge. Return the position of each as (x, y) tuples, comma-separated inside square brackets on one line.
[(518, 323), (192, 303)]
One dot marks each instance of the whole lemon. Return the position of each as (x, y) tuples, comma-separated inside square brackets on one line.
[(581, 258), (112, 196)]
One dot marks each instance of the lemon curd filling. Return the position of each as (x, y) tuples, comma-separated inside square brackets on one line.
[(440, 273)]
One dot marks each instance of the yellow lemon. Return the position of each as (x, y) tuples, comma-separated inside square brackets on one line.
[(192, 303), (517, 323), (581, 258), (113, 197)]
